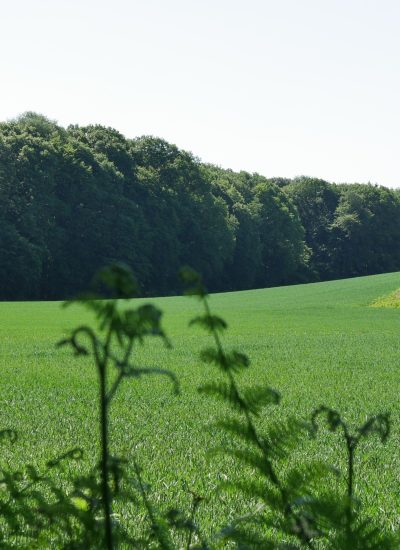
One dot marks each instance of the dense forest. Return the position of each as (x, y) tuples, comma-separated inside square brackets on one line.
[(73, 200)]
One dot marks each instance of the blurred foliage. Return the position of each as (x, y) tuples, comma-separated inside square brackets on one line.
[(288, 506)]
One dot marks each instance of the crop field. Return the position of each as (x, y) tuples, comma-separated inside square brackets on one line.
[(316, 344)]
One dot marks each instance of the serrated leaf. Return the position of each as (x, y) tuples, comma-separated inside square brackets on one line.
[(224, 391), (238, 428), (259, 397), (282, 437), (210, 323)]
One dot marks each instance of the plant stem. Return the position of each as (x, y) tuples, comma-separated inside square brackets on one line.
[(104, 442), (195, 504), (351, 468), (350, 464), (104, 459), (288, 510)]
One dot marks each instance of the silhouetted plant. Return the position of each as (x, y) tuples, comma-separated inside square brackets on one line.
[(293, 505), (296, 507), (356, 532), (119, 329), (34, 510)]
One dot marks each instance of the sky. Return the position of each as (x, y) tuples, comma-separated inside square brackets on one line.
[(278, 87)]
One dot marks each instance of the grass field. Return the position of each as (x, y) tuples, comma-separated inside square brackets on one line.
[(317, 344)]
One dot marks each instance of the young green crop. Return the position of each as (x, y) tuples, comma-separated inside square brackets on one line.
[(319, 343)]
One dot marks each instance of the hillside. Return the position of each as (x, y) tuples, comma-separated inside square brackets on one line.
[(315, 343)]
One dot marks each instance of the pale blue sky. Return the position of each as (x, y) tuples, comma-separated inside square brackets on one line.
[(281, 87)]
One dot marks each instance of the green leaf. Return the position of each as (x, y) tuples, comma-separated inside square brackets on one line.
[(80, 503), (209, 322), (238, 428), (379, 424), (118, 280), (224, 391), (282, 437), (193, 283), (233, 360), (257, 398)]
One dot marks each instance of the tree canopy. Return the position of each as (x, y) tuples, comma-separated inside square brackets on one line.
[(73, 200)]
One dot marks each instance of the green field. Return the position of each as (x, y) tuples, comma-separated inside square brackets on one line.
[(316, 343)]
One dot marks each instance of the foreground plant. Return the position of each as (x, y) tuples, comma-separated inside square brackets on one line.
[(350, 529), (296, 508), (286, 508), (119, 328)]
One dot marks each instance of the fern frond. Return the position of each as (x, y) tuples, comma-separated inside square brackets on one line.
[(259, 397), (233, 360), (282, 437), (328, 510), (224, 391), (211, 356), (253, 459), (239, 429), (210, 323), (364, 536), (266, 493), (379, 424), (302, 480)]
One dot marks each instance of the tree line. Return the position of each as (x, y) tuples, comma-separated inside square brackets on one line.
[(73, 200)]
